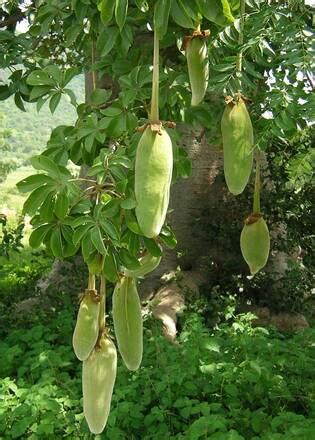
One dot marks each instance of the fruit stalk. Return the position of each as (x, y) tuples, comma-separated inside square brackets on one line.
[(102, 315), (241, 36), (154, 114), (256, 204), (91, 282)]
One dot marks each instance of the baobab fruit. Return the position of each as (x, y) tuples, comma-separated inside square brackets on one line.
[(153, 175), (198, 67), (128, 322), (98, 379), (255, 242), (238, 142), (147, 264), (86, 330)]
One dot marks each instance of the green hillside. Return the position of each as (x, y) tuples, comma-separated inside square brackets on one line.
[(30, 130), (24, 134)]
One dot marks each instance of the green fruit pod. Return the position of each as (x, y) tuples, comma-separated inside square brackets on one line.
[(128, 322), (153, 175), (238, 142), (86, 330), (198, 68), (98, 379), (147, 264), (255, 243)]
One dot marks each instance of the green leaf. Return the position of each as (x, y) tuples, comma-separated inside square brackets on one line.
[(56, 244), (80, 232), (55, 73), (161, 15), (121, 9), (46, 211), (110, 269), (100, 96), (107, 40), (42, 162), (128, 260), (167, 237), (87, 247), (39, 78), (54, 101), (180, 16), (19, 102), (110, 229), (38, 235), (111, 208), (129, 203), (152, 247), (61, 205), (132, 223), (106, 8), (38, 91), (33, 182), (35, 199), (97, 240)]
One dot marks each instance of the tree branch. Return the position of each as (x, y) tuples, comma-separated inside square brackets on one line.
[(10, 20)]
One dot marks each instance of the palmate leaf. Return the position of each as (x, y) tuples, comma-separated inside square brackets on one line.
[(97, 240), (36, 199), (56, 243), (38, 235), (32, 182), (110, 268)]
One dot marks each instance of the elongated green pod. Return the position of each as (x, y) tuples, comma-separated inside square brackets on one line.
[(128, 322), (147, 264), (238, 141), (86, 330), (255, 242), (98, 379), (153, 175), (198, 68)]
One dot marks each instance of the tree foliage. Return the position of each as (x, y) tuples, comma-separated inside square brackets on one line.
[(113, 41)]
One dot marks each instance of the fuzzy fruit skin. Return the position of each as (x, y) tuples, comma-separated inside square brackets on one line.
[(86, 330), (255, 245), (98, 379), (198, 68), (153, 175), (128, 322), (238, 141), (148, 263)]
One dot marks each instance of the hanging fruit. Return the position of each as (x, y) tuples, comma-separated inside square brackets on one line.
[(87, 328), (255, 239), (128, 322), (196, 50), (147, 264), (238, 143), (98, 379), (154, 164)]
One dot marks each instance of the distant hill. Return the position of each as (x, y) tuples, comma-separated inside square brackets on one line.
[(30, 130)]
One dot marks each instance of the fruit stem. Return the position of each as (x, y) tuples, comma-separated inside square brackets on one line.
[(256, 204), (101, 319), (91, 282), (241, 37), (154, 114), (93, 59)]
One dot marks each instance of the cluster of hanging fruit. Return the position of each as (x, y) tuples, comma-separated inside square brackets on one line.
[(94, 347), (238, 149), (91, 341)]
